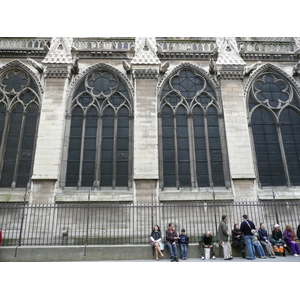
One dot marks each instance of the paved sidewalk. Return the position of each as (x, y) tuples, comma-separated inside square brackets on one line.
[(288, 258)]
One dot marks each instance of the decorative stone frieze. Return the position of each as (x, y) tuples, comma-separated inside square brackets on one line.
[(145, 74)]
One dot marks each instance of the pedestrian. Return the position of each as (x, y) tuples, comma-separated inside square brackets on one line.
[(171, 242), (264, 240), (155, 241), (290, 238), (238, 239), (223, 237), (206, 241), (246, 227), (183, 242)]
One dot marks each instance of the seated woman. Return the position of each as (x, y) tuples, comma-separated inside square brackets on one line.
[(277, 238), (238, 239), (264, 240), (290, 238), (257, 245), (155, 240)]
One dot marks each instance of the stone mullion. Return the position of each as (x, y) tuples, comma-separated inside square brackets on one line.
[(4, 139), (281, 145), (160, 151), (192, 151), (98, 153), (176, 150), (81, 151), (211, 183), (114, 173), (19, 150)]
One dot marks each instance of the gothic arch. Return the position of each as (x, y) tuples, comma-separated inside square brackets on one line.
[(80, 77), (272, 92), (268, 67), (98, 134), (18, 64), (194, 67)]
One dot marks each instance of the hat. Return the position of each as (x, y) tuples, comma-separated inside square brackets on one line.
[(276, 226), (182, 230)]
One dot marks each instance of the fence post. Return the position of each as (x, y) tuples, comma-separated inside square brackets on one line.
[(87, 222), (276, 215), (22, 220)]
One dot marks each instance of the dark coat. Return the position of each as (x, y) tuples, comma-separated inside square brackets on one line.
[(235, 239), (170, 236)]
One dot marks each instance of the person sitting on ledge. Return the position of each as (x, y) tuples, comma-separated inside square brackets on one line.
[(155, 241), (206, 241), (171, 241), (290, 238), (277, 238), (257, 245), (238, 239), (264, 240)]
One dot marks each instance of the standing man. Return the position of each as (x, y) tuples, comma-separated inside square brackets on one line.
[(223, 237), (246, 227), (171, 241)]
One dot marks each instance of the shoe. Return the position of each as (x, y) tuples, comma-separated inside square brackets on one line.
[(229, 258), (213, 257), (272, 256), (202, 257), (157, 259), (176, 259), (172, 259), (162, 256), (295, 255)]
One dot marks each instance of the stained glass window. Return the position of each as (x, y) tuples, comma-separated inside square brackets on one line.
[(275, 121), (191, 146), (99, 151), (19, 115)]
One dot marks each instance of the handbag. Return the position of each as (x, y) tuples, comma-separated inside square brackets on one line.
[(161, 246), (252, 230)]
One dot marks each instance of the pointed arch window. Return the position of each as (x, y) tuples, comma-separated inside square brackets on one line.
[(99, 153), (192, 145), (274, 113), (19, 117)]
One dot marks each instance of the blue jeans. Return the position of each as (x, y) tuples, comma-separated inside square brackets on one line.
[(172, 249), (259, 249), (249, 239), (183, 250)]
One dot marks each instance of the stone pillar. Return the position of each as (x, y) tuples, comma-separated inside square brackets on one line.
[(57, 63), (230, 67), (145, 67)]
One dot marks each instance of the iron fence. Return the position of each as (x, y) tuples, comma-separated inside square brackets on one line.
[(94, 223)]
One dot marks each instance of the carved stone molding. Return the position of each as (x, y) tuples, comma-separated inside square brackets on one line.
[(145, 74), (57, 71), (145, 51), (60, 51), (18, 64)]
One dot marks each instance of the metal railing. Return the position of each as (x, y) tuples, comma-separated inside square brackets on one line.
[(94, 223)]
